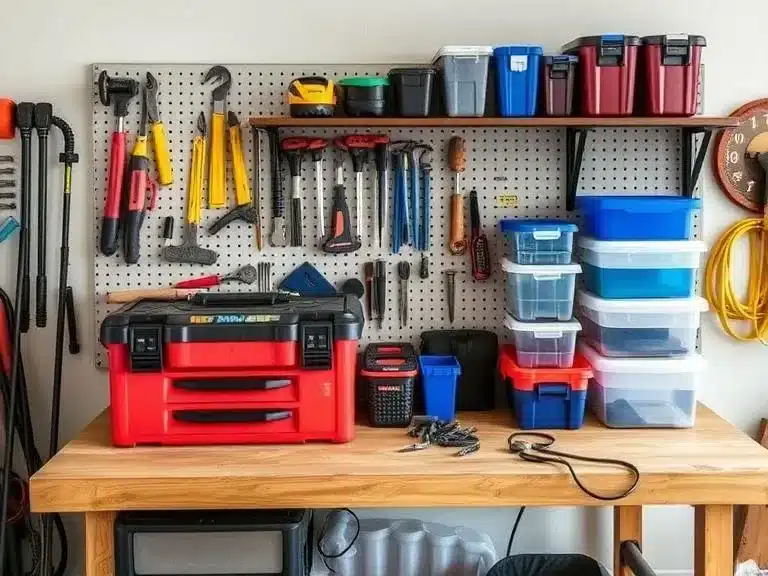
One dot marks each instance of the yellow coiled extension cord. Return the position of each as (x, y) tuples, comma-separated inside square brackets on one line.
[(720, 291)]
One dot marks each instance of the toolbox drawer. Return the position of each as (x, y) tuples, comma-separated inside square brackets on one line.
[(229, 419), (207, 355), (217, 387)]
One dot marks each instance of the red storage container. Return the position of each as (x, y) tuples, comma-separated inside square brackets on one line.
[(270, 369), (606, 73), (670, 74), (558, 79)]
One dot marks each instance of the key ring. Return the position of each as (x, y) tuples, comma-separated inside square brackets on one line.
[(542, 453)]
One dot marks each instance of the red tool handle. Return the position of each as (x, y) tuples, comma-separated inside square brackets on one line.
[(202, 282), (134, 217), (111, 220)]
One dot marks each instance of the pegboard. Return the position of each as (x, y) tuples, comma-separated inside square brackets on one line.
[(528, 164)]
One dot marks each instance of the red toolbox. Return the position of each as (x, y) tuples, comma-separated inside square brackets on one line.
[(606, 73), (670, 74), (233, 369)]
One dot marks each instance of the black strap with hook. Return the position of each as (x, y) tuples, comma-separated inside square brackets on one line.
[(542, 453)]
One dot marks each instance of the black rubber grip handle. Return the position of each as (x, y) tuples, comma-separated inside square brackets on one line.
[(69, 303), (239, 298), (231, 384), (25, 301), (131, 236), (296, 222), (230, 416), (41, 301), (109, 231)]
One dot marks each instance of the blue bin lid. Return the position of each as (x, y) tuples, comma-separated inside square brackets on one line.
[(518, 50), (638, 203), (533, 225)]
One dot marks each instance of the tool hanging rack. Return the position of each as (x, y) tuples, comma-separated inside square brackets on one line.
[(517, 165)]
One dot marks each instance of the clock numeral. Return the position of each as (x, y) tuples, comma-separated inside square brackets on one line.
[(738, 138), (733, 157), (754, 123), (750, 185), (737, 176)]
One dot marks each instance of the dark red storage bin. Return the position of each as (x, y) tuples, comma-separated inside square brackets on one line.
[(605, 84), (558, 80), (670, 67)]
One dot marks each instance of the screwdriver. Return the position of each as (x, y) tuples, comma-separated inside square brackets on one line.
[(457, 160)]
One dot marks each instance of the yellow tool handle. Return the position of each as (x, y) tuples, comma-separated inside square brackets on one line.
[(217, 175), (242, 191), (125, 296), (194, 201), (140, 146), (162, 154)]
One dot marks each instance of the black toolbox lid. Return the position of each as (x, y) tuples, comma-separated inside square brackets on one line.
[(690, 40), (598, 40), (243, 317)]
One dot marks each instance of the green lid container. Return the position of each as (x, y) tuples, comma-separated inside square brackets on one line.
[(365, 81)]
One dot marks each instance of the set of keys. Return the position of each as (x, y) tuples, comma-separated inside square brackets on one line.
[(429, 430)]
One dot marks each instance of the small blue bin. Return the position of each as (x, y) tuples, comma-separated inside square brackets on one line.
[(439, 375), (538, 241), (638, 217), (517, 77)]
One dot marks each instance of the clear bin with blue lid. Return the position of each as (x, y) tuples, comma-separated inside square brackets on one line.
[(640, 269), (640, 328), (517, 79), (540, 292), (532, 241), (638, 217), (543, 344), (644, 392), (464, 73), (439, 375)]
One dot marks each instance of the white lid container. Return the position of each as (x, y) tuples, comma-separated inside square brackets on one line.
[(651, 313), (640, 253), (645, 372), (463, 52), (549, 271), (542, 329)]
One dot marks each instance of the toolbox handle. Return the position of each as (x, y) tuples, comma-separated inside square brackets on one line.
[(611, 50), (242, 298), (230, 416), (230, 384), (676, 50), (552, 389)]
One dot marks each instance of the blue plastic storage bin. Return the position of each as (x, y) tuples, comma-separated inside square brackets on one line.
[(517, 78), (439, 375), (640, 269), (638, 217), (538, 241), (540, 292)]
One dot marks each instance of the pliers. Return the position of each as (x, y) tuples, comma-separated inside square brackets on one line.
[(246, 275), (159, 139), (217, 172)]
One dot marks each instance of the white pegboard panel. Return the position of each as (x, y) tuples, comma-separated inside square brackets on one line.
[(526, 163)]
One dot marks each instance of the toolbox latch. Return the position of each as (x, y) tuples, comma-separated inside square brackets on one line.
[(316, 345), (146, 348), (676, 51), (611, 51), (559, 68)]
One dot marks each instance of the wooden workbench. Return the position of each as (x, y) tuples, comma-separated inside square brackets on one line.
[(712, 466)]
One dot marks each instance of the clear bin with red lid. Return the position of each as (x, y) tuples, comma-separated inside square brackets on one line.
[(671, 66), (607, 69)]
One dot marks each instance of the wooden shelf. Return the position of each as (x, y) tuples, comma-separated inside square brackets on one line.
[(713, 462), (537, 122)]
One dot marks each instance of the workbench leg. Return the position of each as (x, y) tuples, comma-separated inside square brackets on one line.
[(627, 525), (713, 550), (99, 544)]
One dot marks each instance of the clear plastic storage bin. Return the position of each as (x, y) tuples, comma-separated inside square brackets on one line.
[(543, 344), (640, 328), (464, 73), (640, 269), (644, 392), (540, 292), (538, 241)]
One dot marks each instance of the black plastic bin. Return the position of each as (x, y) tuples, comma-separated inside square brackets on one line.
[(413, 88), (548, 565), (558, 79)]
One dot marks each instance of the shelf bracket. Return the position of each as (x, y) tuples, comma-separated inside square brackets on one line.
[(575, 140), (691, 168)]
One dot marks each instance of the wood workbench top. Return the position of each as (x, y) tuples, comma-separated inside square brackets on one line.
[(713, 463)]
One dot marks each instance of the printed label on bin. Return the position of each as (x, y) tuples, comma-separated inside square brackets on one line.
[(518, 63)]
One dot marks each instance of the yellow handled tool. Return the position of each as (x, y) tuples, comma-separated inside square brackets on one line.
[(239, 172), (217, 173), (196, 177), (159, 139)]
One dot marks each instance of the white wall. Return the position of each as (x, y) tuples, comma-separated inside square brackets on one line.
[(46, 47)]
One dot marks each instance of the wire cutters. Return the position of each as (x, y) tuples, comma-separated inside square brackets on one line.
[(246, 275)]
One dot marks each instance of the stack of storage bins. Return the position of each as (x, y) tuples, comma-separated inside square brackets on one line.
[(540, 289), (638, 309)]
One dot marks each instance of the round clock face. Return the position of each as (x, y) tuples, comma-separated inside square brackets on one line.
[(741, 176)]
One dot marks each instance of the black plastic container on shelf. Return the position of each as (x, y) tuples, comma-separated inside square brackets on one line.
[(412, 89), (389, 378), (365, 95), (558, 80)]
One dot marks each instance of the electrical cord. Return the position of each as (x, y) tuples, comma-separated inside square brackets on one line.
[(719, 289), (325, 556), (542, 453), (514, 530)]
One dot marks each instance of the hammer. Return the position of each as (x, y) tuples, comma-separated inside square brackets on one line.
[(117, 91)]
